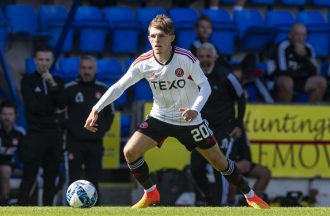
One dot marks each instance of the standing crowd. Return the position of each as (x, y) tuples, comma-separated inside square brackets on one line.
[(52, 108)]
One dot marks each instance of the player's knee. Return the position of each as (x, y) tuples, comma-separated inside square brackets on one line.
[(130, 154)]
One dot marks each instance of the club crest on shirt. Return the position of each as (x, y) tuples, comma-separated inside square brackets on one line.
[(153, 76), (179, 72), (79, 98), (98, 95), (37, 89), (144, 125)]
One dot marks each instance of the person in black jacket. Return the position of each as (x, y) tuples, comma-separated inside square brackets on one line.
[(43, 145), (228, 128), (84, 147), (11, 138), (203, 30), (226, 123), (296, 67)]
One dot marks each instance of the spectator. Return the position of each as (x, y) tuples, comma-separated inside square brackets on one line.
[(241, 154), (43, 144), (219, 110), (203, 29), (296, 68), (85, 148), (252, 80), (11, 137)]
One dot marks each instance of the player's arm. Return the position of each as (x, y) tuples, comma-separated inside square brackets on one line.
[(309, 62), (115, 91), (204, 92)]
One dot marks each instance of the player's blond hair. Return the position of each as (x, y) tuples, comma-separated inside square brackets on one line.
[(163, 23)]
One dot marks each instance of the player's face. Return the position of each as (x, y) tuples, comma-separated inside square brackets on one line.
[(7, 117), (87, 70), (204, 30), (206, 58), (43, 61), (160, 41)]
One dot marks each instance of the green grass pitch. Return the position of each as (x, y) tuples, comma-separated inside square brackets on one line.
[(159, 211)]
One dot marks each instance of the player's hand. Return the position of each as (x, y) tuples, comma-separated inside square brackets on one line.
[(236, 133), (49, 78), (300, 49), (188, 114), (91, 121)]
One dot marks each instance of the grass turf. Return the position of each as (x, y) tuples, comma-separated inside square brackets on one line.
[(159, 211)]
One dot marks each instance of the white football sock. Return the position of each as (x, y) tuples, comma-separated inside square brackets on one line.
[(151, 188), (250, 194)]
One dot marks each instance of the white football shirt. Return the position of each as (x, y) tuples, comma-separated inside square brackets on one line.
[(174, 84)]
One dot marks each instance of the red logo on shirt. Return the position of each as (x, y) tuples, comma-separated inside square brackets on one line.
[(153, 76), (144, 125), (179, 72)]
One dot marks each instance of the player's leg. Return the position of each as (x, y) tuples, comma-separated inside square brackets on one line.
[(284, 86), (51, 165), (226, 167), (315, 86), (209, 182), (199, 173), (32, 149), (262, 175), (136, 146), (201, 138), (51, 171), (93, 163), (231, 173), (149, 134), (244, 166), (5, 173), (75, 159)]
